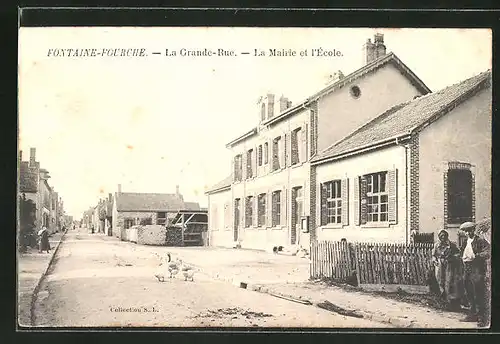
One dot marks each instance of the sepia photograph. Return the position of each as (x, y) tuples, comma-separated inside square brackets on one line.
[(237, 177)]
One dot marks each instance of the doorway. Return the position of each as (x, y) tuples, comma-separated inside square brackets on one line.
[(297, 212)]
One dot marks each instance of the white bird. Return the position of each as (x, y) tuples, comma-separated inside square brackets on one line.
[(187, 271)]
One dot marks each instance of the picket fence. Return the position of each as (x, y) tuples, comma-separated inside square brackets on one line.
[(371, 263)]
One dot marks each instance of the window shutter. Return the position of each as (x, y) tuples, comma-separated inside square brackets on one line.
[(269, 209), (235, 173), (345, 201), (284, 200), (392, 191), (356, 202), (301, 142), (324, 215), (255, 215), (363, 200), (285, 151), (256, 160), (306, 141)]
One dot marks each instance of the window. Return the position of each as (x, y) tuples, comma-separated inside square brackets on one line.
[(161, 218), (355, 91), (248, 211), (459, 194), (266, 153), (377, 198), (127, 223), (261, 210), (276, 153), (299, 204), (250, 163), (260, 156), (237, 211), (333, 202), (296, 142), (276, 208), (146, 221), (238, 167)]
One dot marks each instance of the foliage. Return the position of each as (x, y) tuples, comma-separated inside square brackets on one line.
[(27, 212)]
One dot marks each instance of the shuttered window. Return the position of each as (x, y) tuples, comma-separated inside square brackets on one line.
[(334, 199), (262, 210), (250, 163), (459, 188), (237, 212), (296, 144), (260, 155), (248, 211), (375, 198), (276, 154), (238, 167), (276, 208), (266, 153)]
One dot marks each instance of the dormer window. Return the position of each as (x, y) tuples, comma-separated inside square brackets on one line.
[(263, 112)]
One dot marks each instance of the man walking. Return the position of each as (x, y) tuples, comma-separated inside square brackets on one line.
[(475, 252)]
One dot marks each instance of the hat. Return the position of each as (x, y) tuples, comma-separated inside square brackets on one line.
[(467, 226)]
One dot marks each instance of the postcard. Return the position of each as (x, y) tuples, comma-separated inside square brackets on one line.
[(237, 177)]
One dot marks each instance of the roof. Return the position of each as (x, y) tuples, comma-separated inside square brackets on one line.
[(404, 119), (132, 201), (220, 186), (243, 137), (368, 68)]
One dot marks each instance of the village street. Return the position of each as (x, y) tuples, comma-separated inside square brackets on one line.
[(97, 280)]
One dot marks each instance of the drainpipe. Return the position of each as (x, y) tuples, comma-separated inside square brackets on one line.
[(408, 211)]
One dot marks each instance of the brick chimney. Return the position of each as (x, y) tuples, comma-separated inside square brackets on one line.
[(32, 157), (20, 156), (372, 51), (270, 105), (177, 193), (119, 188), (380, 49), (283, 103)]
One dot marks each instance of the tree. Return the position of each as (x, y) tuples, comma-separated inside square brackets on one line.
[(27, 218)]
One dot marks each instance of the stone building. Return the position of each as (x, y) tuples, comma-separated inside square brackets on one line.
[(131, 208), (421, 166), (269, 195)]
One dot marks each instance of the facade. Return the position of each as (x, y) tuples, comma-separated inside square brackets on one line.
[(421, 166), (33, 183), (271, 184), (130, 209)]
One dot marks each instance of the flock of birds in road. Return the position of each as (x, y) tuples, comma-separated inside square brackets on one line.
[(171, 268)]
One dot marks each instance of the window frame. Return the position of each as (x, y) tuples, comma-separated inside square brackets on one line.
[(276, 200), (465, 168), (249, 200), (262, 217), (334, 188), (371, 194)]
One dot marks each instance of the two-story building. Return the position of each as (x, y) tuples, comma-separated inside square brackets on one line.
[(267, 200)]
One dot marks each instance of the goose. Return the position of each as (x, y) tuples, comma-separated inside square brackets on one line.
[(187, 271)]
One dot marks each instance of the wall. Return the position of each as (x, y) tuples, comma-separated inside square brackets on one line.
[(463, 135), (380, 160), (266, 182), (151, 235), (220, 232), (340, 114)]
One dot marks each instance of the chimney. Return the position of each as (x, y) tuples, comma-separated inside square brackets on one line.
[(32, 157), (283, 103), (380, 49), (110, 197), (368, 51), (119, 188), (270, 105), (177, 190), (20, 156)]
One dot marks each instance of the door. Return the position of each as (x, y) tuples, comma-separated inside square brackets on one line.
[(297, 209), (237, 209)]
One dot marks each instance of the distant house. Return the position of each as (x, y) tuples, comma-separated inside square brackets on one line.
[(220, 221), (421, 166), (131, 208)]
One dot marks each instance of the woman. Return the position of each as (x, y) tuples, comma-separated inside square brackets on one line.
[(44, 240), (448, 271)]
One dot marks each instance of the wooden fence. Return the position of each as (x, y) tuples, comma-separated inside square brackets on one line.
[(373, 263)]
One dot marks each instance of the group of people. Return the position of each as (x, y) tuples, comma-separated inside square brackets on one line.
[(43, 240), (461, 273)]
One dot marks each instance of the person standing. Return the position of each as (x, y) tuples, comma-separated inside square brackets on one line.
[(448, 271), (475, 252), (44, 244)]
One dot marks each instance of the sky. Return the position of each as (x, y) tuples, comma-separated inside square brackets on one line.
[(151, 123)]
